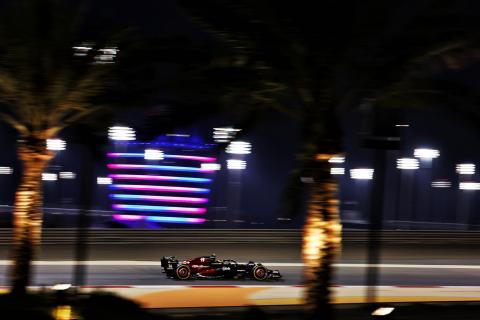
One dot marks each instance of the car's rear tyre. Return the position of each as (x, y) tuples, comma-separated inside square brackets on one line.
[(183, 272), (260, 273)]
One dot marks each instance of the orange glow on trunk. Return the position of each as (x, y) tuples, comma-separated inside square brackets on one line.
[(321, 236), (27, 215)]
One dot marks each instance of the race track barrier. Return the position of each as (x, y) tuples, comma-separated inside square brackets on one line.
[(246, 236)]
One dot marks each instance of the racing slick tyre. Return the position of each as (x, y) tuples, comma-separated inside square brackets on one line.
[(183, 272), (260, 273)]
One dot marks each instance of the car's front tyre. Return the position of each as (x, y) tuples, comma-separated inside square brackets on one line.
[(260, 273), (183, 272)]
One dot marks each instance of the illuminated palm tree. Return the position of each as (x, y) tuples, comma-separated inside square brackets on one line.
[(44, 88), (327, 59)]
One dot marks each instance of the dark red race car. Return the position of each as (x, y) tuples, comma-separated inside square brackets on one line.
[(209, 267)]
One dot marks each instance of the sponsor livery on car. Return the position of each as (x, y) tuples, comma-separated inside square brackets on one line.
[(209, 267)]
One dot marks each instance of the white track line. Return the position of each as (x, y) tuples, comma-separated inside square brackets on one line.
[(407, 266), (268, 264)]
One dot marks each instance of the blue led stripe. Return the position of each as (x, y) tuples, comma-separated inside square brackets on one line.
[(125, 155), (130, 218), (174, 219)]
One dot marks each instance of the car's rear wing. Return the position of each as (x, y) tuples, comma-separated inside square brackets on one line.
[(167, 260)]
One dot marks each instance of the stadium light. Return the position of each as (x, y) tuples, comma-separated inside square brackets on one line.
[(49, 176), (106, 55), (56, 144), (426, 154), (67, 175), (441, 184), (465, 168), (153, 154), (337, 171), (6, 170), (469, 186), (104, 180), (224, 134), (407, 164), (210, 166), (120, 133), (239, 147), (361, 174), (307, 179), (336, 159), (236, 164)]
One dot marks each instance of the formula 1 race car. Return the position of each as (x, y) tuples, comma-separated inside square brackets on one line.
[(209, 267)]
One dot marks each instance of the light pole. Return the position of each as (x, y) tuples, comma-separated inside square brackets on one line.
[(50, 180), (361, 177), (465, 172), (407, 167), (426, 157), (467, 195), (235, 168), (6, 171), (440, 188), (67, 178), (56, 145)]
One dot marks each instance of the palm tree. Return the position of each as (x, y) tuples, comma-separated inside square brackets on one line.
[(327, 59), (43, 89), (50, 79)]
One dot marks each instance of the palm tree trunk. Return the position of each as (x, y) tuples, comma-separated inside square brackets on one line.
[(27, 214), (321, 240)]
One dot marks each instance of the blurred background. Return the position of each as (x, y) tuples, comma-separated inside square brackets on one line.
[(433, 192), (334, 142)]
